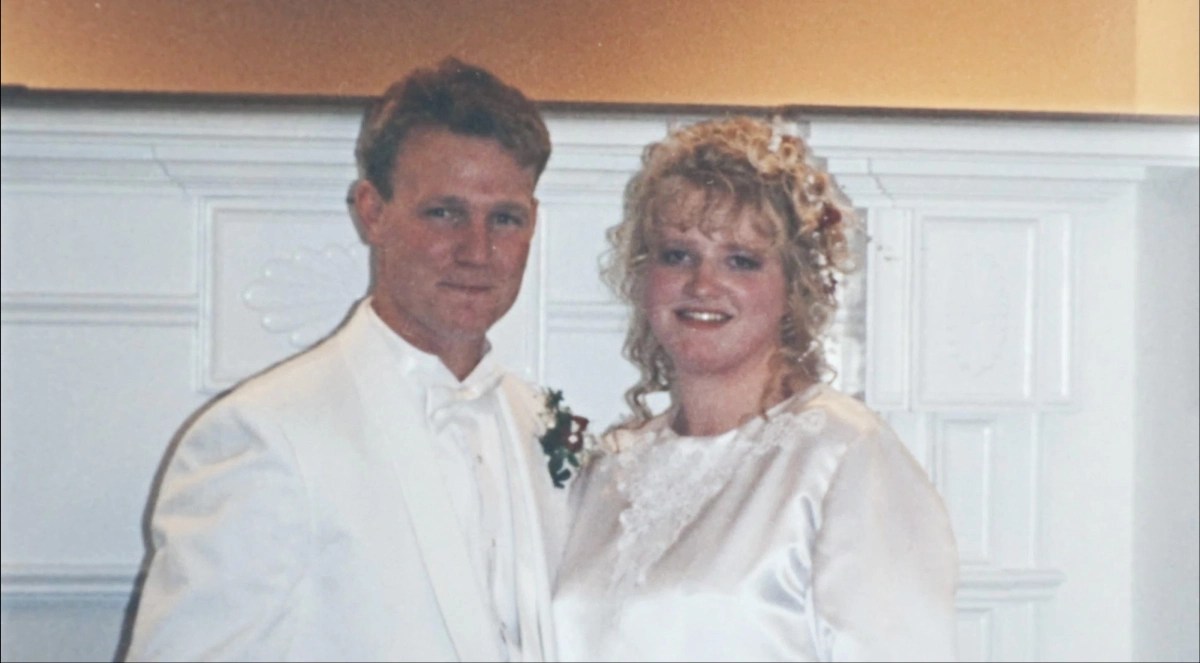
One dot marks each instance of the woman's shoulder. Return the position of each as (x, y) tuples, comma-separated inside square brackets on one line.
[(819, 411), (861, 441), (629, 434), (824, 413)]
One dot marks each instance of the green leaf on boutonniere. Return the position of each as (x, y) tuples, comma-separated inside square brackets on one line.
[(565, 439)]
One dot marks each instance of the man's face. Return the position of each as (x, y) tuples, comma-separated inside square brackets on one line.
[(451, 244)]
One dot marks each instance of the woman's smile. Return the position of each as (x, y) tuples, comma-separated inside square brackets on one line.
[(714, 300)]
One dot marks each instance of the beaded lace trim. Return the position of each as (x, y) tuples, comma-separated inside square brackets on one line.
[(668, 482)]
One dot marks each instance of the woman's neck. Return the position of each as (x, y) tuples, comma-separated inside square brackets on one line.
[(714, 404)]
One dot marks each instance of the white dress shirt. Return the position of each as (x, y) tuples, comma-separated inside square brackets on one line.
[(465, 419)]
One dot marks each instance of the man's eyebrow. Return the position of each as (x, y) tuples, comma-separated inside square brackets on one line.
[(512, 206), (449, 200)]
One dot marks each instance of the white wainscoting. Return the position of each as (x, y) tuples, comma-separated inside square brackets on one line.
[(155, 254)]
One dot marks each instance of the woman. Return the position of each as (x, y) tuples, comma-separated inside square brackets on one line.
[(763, 515)]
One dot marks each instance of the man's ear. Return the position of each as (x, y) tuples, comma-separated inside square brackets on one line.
[(367, 205)]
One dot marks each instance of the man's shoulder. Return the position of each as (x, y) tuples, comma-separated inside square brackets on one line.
[(303, 384), (516, 386), (523, 396)]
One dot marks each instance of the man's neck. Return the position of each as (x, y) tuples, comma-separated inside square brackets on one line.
[(459, 355), (462, 361)]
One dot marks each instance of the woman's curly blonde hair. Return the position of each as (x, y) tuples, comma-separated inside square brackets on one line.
[(751, 165)]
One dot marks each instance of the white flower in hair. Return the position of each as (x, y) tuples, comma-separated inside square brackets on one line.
[(781, 127), (778, 130)]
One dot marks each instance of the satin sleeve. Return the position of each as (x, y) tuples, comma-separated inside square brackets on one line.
[(885, 564), (229, 533)]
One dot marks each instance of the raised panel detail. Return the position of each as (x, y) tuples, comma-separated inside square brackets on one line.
[(987, 470), (576, 231), (279, 280), (149, 248), (306, 295), (889, 307), (994, 314), (974, 635), (965, 473), (71, 243), (976, 310), (1055, 355), (61, 629), (89, 411), (274, 280)]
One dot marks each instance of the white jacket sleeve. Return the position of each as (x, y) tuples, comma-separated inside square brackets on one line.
[(885, 565), (229, 531)]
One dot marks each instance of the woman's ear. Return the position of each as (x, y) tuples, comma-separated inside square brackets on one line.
[(367, 205)]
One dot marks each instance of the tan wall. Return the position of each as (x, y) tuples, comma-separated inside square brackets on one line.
[(1096, 56)]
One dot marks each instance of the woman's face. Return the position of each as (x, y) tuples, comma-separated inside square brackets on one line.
[(714, 302)]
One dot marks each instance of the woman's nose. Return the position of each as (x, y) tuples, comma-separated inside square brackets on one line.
[(702, 281)]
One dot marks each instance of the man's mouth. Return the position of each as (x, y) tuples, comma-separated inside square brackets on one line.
[(470, 288)]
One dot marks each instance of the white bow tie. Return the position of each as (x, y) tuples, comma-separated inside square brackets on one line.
[(440, 399)]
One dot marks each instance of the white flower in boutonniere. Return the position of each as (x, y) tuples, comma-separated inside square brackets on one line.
[(564, 439)]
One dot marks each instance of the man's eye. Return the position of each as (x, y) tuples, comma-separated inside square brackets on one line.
[(505, 219), (437, 212), (745, 262)]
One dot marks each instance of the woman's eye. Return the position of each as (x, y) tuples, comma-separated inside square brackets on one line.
[(745, 262), (672, 256)]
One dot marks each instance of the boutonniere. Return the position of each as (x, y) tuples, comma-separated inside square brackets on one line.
[(564, 439)]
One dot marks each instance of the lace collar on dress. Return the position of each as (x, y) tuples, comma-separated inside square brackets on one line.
[(668, 479)]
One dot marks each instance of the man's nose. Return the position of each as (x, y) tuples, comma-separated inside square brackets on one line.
[(475, 243)]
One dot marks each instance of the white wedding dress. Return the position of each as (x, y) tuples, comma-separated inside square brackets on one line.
[(811, 535)]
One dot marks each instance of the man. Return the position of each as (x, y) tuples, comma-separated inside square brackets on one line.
[(382, 495)]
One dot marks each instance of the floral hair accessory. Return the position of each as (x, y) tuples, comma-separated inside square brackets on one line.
[(783, 132), (564, 439)]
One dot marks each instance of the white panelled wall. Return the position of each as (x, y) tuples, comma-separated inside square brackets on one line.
[(155, 253)]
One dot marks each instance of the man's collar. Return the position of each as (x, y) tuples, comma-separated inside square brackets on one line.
[(427, 368)]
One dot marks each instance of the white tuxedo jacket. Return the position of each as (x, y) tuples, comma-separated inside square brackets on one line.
[(303, 517)]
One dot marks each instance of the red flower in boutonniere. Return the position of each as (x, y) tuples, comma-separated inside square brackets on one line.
[(564, 439)]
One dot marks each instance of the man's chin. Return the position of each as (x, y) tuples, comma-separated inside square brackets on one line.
[(476, 317), (469, 327)]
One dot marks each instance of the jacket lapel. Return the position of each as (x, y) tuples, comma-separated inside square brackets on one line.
[(539, 511), (396, 424)]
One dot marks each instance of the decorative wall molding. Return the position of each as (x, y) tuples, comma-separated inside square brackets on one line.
[(276, 275), (971, 308), (983, 587), (60, 581), (886, 162), (261, 253), (306, 295), (889, 311), (965, 459), (242, 150), (881, 161), (134, 310), (978, 586), (1096, 146), (987, 467), (586, 317)]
